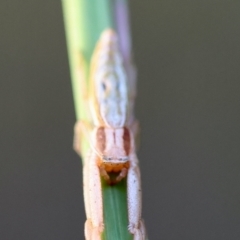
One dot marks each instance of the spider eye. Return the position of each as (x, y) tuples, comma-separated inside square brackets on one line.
[(104, 86), (123, 159), (117, 86), (106, 158)]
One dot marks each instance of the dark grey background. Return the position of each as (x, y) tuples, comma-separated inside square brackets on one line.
[(188, 56)]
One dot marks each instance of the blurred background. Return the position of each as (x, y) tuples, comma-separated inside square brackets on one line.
[(188, 56)]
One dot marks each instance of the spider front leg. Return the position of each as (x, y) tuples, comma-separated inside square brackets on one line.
[(93, 198), (134, 191), (82, 129), (77, 137)]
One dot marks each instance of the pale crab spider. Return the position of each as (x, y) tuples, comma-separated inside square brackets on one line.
[(111, 137)]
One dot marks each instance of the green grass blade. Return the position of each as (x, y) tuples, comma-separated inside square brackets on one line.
[(84, 22)]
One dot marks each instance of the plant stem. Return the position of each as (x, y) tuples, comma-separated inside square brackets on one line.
[(84, 22)]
